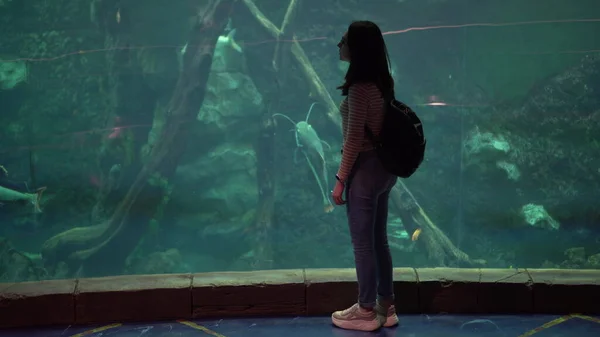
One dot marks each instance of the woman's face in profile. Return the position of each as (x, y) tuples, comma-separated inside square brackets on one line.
[(344, 50)]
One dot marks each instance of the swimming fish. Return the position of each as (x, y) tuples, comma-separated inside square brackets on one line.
[(227, 42), (307, 138), (8, 195), (416, 234), (226, 53)]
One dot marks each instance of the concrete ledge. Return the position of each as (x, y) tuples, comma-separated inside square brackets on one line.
[(293, 293), (132, 298), (260, 293)]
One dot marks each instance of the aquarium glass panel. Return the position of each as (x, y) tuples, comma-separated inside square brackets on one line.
[(150, 137)]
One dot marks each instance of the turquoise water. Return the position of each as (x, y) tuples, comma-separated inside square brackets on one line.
[(155, 138)]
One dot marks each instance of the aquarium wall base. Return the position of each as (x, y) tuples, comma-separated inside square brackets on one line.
[(293, 293)]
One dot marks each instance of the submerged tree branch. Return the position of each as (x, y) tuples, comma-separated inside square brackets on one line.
[(114, 239)]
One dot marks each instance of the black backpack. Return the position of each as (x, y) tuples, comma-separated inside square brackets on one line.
[(401, 144)]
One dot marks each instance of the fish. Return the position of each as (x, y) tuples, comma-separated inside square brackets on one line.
[(307, 140), (228, 41), (9, 195), (416, 234), (228, 55), (226, 51)]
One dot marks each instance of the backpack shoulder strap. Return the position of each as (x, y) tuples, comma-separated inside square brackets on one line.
[(387, 98), (369, 133)]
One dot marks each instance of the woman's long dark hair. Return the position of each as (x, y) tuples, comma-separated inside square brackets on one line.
[(369, 60)]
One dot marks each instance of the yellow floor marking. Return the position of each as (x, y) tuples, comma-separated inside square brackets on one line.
[(558, 321), (548, 325), (93, 331), (200, 327), (588, 318), (216, 334)]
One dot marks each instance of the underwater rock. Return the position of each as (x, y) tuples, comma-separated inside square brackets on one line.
[(545, 146), (549, 265), (557, 157), (537, 216), (576, 255), (232, 104), (165, 262), (576, 259), (12, 73), (593, 262), (512, 171), (16, 266), (222, 182), (217, 182), (477, 141)]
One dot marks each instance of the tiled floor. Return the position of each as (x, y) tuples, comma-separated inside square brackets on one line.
[(411, 326)]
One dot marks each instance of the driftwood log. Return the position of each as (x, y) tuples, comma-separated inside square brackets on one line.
[(114, 240), (441, 250), (264, 220), (118, 88)]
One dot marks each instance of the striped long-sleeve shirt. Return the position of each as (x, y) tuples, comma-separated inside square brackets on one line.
[(363, 106)]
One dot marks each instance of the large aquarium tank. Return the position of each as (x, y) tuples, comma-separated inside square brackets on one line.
[(141, 137)]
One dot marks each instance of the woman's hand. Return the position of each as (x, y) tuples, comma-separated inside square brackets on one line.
[(338, 193)]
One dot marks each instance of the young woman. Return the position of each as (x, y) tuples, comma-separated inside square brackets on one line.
[(361, 175)]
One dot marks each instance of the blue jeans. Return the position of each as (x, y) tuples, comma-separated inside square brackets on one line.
[(367, 193)]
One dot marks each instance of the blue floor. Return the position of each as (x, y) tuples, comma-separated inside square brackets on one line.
[(410, 326)]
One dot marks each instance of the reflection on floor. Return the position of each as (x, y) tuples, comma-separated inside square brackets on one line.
[(411, 326)]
